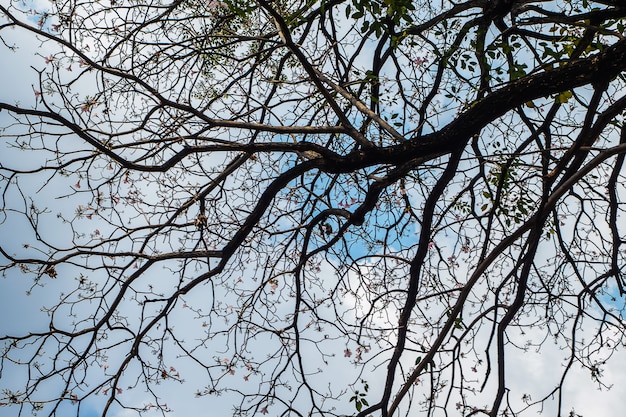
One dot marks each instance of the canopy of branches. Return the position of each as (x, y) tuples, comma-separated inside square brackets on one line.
[(310, 208)]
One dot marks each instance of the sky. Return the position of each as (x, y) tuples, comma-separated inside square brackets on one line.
[(530, 371)]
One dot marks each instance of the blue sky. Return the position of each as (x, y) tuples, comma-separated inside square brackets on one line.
[(18, 312)]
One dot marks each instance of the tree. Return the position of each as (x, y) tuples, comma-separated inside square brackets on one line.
[(256, 194)]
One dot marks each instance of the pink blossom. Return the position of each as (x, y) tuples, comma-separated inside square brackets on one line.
[(85, 107), (214, 4), (420, 60), (347, 353)]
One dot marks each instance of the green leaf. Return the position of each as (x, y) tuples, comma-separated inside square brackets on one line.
[(564, 96)]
